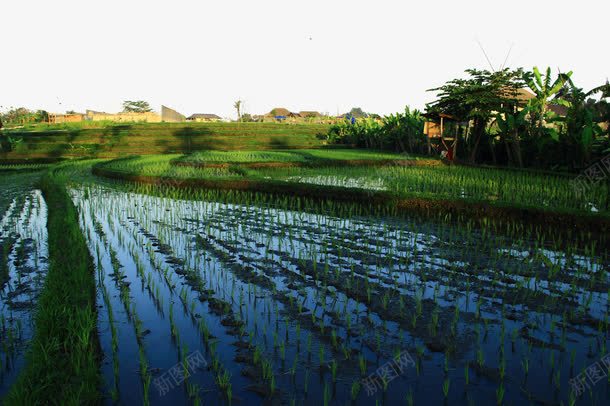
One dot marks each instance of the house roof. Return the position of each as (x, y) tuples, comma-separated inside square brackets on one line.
[(309, 114), (560, 110), (66, 114), (203, 115), (279, 111), (525, 95), (90, 112), (521, 95)]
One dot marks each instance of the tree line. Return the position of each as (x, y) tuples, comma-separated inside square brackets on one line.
[(507, 117)]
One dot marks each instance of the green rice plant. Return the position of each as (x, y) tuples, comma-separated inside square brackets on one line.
[(327, 394), (525, 366), (446, 385), (223, 381), (480, 358), (362, 365), (355, 390), (500, 394), (557, 379), (333, 370)]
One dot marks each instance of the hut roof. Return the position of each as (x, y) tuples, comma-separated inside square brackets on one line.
[(280, 111), (309, 114), (203, 115)]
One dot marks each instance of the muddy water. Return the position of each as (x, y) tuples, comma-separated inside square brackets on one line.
[(323, 300)]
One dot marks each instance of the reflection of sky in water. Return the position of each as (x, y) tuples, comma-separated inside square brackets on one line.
[(418, 259), (341, 181), (24, 225)]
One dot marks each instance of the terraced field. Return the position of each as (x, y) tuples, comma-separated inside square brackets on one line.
[(169, 292), (91, 139)]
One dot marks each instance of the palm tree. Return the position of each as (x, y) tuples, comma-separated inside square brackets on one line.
[(237, 106)]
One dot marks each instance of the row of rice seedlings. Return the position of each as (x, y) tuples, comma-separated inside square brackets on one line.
[(222, 376), (145, 372), (101, 278), (221, 373), (231, 295), (145, 277), (23, 240)]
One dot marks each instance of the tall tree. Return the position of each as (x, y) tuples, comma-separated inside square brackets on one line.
[(476, 100), (237, 106), (357, 112), (138, 106)]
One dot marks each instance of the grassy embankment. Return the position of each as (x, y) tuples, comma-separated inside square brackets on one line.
[(116, 140), (63, 361), (313, 158)]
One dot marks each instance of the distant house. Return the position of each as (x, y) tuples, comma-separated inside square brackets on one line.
[(523, 96), (309, 114), (280, 112), (123, 117), (65, 118), (170, 115), (203, 117), (436, 123)]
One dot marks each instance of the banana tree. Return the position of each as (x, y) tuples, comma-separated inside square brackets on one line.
[(404, 131), (510, 123), (8, 143), (581, 127), (544, 89)]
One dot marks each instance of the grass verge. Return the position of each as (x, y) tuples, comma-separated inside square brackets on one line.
[(62, 365)]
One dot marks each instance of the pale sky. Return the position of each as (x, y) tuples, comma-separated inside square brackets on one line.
[(201, 56)]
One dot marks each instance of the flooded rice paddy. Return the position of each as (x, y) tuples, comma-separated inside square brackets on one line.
[(23, 267), (213, 303)]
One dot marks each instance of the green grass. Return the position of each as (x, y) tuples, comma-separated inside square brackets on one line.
[(504, 187), (354, 154), (311, 156), (492, 186), (23, 167), (161, 166), (242, 157), (62, 365)]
